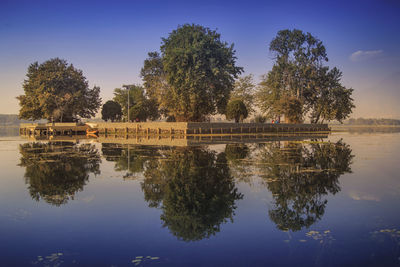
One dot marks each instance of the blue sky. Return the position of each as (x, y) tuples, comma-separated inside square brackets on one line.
[(109, 40)]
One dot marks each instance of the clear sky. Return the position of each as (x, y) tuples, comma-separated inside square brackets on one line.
[(109, 40)]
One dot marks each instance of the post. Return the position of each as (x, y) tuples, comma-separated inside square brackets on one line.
[(128, 104)]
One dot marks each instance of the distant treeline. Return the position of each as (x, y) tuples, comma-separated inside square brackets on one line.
[(362, 121), (11, 120)]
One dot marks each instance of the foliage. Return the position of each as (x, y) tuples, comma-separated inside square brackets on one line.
[(291, 107), (56, 90), (260, 118), (155, 83), (56, 171), (200, 70), (244, 90), (111, 111), (299, 73), (196, 191), (331, 100), (140, 107), (236, 110)]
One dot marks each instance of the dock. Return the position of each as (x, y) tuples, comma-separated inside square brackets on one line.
[(167, 129), (52, 129)]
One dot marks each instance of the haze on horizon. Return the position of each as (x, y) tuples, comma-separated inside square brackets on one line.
[(109, 41)]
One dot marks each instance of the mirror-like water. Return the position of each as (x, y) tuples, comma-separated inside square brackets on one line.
[(316, 202)]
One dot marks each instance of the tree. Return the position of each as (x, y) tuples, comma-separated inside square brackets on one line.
[(140, 107), (299, 73), (244, 90), (291, 107), (57, 91), (200, 70), (111, 111), (260, 118), (237, 110), (155, 83)]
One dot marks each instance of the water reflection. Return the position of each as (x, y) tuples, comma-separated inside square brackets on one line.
[(195, 190), (128, 158), (194, 187), (56, 171), (300, 177)]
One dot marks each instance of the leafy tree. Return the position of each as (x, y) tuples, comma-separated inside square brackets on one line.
[(299, 73), (56, 171), (200, 70), (140, 107), (331, 101), (244, 90), (237, 110), (111, 111), (58, 91), (155, 83)]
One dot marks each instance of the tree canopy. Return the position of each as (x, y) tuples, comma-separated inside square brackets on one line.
[(299, 73), (111, 111), (155, 83), (56, 90), (195, 73), (236, 110), (244, 90), (140, 107)]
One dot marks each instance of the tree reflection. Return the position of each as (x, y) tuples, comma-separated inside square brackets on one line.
[(194, 189), (56, 171), (128, 158), (300, 176), (238, 156)]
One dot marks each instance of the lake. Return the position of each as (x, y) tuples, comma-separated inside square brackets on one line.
[(321, 201)]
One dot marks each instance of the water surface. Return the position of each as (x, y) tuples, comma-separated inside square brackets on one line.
[(314, 202)]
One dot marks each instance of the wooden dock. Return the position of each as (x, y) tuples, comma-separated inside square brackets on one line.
[(52, 129), (168, 129), (198, 128)]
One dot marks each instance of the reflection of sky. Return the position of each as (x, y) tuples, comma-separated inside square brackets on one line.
[(109, 41), (110, 223)]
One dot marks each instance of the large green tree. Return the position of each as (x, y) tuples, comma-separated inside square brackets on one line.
[(299, 73), (140, 107), (56, 90), (111, 110), (200, 70)]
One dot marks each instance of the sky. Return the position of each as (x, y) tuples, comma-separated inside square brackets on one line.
[(109, 40)]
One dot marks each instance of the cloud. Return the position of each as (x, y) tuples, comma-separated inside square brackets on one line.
[(361, 55), (363, 196)]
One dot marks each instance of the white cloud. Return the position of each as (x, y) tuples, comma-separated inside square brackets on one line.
[(361, 55)]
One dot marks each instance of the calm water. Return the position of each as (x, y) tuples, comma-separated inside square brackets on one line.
[(322, 202)]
